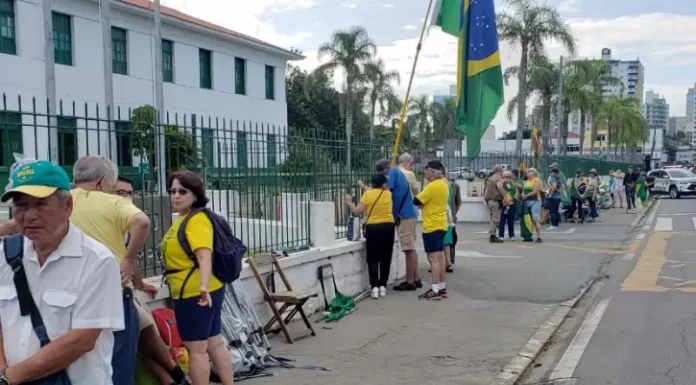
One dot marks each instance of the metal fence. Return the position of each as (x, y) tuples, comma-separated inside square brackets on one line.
[(260, 176)]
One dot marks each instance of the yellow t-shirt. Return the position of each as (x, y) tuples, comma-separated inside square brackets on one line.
[(434, 198), (104, 217), (199, 232), (382, 210)]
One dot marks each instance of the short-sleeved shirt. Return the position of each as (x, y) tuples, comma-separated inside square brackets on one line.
[(199, 233), (410, 177), (379, 210), (78, 287), (435, 199), (104, 217), (398, 183), (554, 182)]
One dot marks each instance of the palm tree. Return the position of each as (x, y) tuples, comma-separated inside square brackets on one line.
[(542, 80), (601, 75), (443, 119), (421, 108), (379, 81), (625, 124), (348, 51), (530, 26)]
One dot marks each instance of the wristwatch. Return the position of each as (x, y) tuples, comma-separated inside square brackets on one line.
[(3, 379)]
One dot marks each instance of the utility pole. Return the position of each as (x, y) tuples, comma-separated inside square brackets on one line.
[(159, 101), (559, 108), (109, 143), (50, 81)]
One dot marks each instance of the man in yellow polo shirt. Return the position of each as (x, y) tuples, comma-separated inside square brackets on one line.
[(434, 200)]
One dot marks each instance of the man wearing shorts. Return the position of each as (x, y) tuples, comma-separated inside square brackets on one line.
[(434, 200), (151, 349)]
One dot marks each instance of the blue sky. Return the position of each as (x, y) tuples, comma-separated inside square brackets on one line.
[(661, 33)]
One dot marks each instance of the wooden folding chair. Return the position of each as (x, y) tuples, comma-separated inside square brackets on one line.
[(291, 301)]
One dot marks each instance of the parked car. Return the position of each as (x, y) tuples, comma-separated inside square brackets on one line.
[(462, 173), (674, 182), (485, 172)]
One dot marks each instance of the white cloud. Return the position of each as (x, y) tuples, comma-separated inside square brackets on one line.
[(569, 6), (669, 41), (245, 16), (410, 27), (349, 4), (388, 5)]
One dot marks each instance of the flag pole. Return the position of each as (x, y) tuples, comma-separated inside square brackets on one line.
[(395, 151)]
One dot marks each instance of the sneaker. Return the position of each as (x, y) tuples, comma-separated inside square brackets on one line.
[(185, 381), (443, 293), (375, 293), (419, 284), (552, 228), (382, 291), (539, 240), (405, 286), (430, 295), (512, 239)]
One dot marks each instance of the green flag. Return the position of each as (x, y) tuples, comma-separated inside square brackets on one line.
[(479, 74)]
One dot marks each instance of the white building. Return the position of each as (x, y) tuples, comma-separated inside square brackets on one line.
[(690, 106), (208, 71), (656, 113), (631, 75)]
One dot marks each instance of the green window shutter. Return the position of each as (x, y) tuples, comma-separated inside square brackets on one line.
[(10, 137), (270, 83), (62, 39), (167, 61), (206, 64), (124, 145), (271, 150), (119, 50), (241, 150), (208, 147), (8, 39), (67, 141), (239, 76)]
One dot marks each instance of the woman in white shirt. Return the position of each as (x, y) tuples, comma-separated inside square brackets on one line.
[(619, 189)]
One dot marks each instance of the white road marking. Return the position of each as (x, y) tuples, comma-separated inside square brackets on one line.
[(651, 217), (664, 224), (640, 236), (693, 219), (543, 230), (475, 254), (646, 227), (569, 361), (629, 256), (675, 214)]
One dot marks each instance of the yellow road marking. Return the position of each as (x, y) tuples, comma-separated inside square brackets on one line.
[(647, 271)]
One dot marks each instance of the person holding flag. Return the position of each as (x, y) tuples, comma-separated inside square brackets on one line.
[(479, 72)]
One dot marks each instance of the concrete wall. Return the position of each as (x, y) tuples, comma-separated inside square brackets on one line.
[(83, 82), (346, 258)]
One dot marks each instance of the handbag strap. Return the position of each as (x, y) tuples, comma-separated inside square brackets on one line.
[(14, 252), (373, 205)]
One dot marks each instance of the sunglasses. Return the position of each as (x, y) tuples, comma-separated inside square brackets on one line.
[(179, 191)]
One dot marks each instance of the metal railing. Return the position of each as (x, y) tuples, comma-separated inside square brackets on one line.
[(260, 176)]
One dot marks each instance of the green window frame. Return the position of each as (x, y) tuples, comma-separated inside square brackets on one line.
[(124, 144), (271, 150), (119, 50), (67, 140), (208, 147), (205, 58), (8, 36), (62, 39), (242, 150), (167, 61), (270, 82), (11, 138), (239, 76)]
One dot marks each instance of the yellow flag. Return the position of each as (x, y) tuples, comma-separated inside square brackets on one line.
[(536, 141)]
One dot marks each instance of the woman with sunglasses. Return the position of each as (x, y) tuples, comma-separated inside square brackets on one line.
[(197, 293)]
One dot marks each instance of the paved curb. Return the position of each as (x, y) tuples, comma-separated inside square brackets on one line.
[(637, 221), (525, 357)]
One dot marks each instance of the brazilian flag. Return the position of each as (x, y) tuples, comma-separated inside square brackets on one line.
[(479, 72), (526, 223), (565, 196), (642, 191)]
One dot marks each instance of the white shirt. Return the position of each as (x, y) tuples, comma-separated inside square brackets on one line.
[(79, 287)]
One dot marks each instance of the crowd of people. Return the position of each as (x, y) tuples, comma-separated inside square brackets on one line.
[(74, 284)]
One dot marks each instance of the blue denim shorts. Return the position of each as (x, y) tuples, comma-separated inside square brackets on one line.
[(126, 344), (198, 323), (534, 209)]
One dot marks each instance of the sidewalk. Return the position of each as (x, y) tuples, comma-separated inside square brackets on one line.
[(401, 340)]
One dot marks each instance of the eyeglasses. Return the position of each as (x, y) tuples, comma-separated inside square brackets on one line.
[(179, 191), (124, 193)]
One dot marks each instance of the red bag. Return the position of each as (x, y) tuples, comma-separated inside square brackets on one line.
[(166, 325)]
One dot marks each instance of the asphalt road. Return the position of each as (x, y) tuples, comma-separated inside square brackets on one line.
[(640, 330)]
